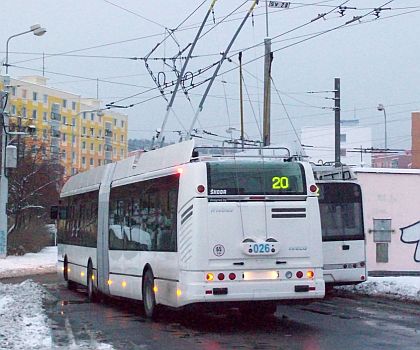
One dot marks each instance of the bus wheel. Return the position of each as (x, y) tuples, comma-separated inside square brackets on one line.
[(70, 284), (91, 288), (149, 300)]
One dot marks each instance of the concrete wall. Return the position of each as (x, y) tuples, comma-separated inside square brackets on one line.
[(391, 194)]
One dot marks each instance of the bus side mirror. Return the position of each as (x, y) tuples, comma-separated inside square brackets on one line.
[(54, 212)]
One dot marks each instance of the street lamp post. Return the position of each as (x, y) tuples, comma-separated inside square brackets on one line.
[(4, 185), (382, 108)]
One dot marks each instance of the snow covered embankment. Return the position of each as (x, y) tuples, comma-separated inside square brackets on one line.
[(23, 323), (404, 288)]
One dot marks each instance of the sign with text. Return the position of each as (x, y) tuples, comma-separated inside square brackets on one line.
[(279, 4)]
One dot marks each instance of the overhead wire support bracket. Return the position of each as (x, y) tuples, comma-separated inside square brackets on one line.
[(183, 69), (213, 78)]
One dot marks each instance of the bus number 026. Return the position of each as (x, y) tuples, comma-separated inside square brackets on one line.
[(280, 183), (261, 248)]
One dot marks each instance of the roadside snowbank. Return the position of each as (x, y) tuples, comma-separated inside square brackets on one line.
[(406, 288), (29, 264), (23, 323)]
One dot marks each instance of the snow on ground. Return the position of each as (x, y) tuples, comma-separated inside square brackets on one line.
[(23, 324), (407, 288), (29, 264)]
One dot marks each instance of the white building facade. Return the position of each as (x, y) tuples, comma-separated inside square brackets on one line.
[(319, 143)]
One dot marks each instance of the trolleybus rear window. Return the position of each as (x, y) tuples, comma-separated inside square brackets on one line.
[(255, 178), (341, 210)]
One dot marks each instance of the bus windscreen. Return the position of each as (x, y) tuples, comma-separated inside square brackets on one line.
[(255, 178), (341, 210)]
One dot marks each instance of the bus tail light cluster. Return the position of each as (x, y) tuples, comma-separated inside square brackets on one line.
[(220, 276)]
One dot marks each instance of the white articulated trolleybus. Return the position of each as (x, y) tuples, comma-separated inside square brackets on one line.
[(171, 228), (340, 203)]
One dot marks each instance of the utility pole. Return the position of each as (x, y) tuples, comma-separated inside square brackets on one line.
[(268, 58), (337, 111), (4, 183), (241, 99)]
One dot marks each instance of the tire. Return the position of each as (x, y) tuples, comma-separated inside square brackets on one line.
[(70, 284), (91, 287), (149, 299)]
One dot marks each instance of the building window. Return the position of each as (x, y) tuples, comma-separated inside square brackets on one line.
[(35, 96), (23, 112), (73, 121), (24, 92), (91, 161), (83, 160), (100, 132), (122, 138), (64, 137), (45, 98), (63, 155), (34, 114), (73, 156), (99, 162), (382, 253), (91, 146), (92, 116), (84, 115), (122, 123), (343, 152), (64, 103), (84, 130), (122, 153), (73, 106), (73, 139), (92, 132), (44, 116), (64, 120), (115, 122), (44, 133), (13, 110), (84, 145), (13, 90)]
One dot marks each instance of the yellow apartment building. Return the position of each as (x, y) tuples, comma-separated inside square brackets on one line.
[(69, 128)]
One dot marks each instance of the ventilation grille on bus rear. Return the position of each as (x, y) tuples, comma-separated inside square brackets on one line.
[(185, 236), (186, 214), (283, 213)]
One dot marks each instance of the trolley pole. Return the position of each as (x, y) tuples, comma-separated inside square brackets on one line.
[(337, 112), (241, 99)]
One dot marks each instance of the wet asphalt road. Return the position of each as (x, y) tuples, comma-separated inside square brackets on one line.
[(341, 321)]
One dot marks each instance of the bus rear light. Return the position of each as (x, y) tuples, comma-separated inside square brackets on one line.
[(299, 274), (232, 276), (312, 288), (289, 274), (200, 188), (354, 265), (209, 292), (179, 171), (362, 278), (221, 276), (82, 274), (345, 266), (209, 277), (310, 274), (124, 284), (178, 292), (313, 188), (257, 198), (109, 282), (155, 289), (362, 264)]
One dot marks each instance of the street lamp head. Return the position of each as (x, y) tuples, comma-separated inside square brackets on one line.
[(381, 107), (39, 31), (35, 27)]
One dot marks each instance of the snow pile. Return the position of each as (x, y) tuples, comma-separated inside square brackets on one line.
[(29, 264), (23, 324), (407, 288)]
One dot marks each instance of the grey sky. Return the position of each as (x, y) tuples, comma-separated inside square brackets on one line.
[(377, 60)]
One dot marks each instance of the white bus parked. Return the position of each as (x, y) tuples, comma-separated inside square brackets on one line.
[(171, 229), (340, 204)]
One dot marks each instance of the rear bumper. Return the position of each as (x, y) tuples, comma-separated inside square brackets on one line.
[(345, 276), (190, 292)]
